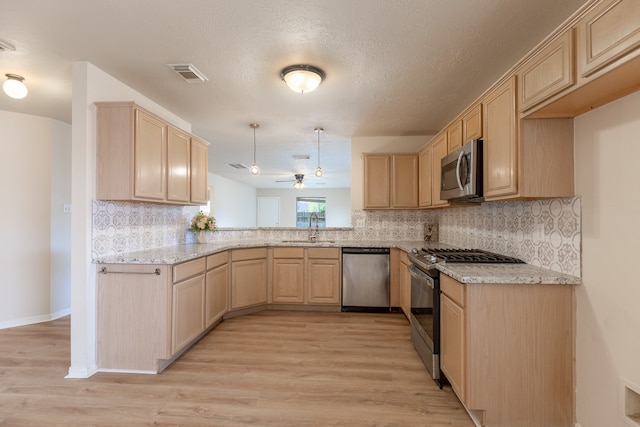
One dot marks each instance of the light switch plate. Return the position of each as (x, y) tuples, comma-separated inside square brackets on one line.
[(66, 208)]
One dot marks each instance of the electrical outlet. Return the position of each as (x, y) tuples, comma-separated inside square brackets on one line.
[(66, 208)]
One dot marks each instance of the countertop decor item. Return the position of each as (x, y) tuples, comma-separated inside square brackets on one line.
[(201, 224)]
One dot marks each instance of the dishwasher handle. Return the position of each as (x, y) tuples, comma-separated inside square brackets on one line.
[(366, 251)]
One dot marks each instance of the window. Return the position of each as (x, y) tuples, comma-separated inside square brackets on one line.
[(305, 206)]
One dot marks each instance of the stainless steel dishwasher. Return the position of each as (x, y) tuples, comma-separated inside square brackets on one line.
[(365, 279)]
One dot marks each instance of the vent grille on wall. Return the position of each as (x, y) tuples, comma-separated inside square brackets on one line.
[(189, 73), (238, 165), (4, 46)]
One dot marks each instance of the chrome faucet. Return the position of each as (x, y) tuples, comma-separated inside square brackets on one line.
[(313, 234)]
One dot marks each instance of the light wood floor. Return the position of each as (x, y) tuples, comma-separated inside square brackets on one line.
[(266, 369)]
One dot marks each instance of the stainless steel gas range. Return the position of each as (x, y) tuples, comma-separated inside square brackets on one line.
[(425, 297)]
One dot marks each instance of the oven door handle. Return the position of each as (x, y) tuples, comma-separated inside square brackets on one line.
[(422, 276)]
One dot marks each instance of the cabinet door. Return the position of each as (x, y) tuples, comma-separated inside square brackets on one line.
[(248, 282), (188, 311), (150, 157), (547, 73), (405, 285), (425, 166), (324, 281), (454, 136), (500, 141), (607, 33), (288, 280), (199, 172), (439, 151), (472, 123), (216, 294), (178, 165), (452, 344), (404, 181), (377, 172)]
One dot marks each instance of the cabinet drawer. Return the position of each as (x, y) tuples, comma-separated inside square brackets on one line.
[(217, 260), (254, 253), (324, 253), (288, 252), (188, 269), (453, 289)]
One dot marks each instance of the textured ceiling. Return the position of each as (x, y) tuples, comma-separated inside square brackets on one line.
[(394, 67)]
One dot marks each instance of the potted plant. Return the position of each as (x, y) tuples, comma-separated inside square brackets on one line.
[(201, 225)]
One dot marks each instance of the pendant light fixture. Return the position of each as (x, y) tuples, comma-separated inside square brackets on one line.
[(302, 78), (254, 169), (319, 130), (299, 184), (15, 87)]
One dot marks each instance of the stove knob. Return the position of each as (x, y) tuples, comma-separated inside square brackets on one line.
[(414, 251), (433, 259)]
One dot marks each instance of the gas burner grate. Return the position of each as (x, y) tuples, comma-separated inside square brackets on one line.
[(472, 256)]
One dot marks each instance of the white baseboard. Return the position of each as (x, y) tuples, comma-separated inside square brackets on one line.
[(80, 372), (34, 319)]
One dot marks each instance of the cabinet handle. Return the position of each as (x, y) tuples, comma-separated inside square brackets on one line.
[(103, 270)]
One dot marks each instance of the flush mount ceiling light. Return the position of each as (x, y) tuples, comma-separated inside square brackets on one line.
[(15, 87), (319, 169), (254, 169), (298, 185), (302, 78)]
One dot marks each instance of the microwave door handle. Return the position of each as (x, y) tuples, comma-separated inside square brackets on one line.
[(458, 169)]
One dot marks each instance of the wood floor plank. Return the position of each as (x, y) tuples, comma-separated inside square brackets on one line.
[(271, 369)]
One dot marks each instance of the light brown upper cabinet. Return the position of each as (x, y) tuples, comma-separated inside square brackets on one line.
[(390, 181), (404, 181), (178, 165), (607, 34), (199, 172), (454, 135), (548, 72), (527, 158), (500, 141), (440, 150), (472, 123), (140, 157), (606, 57), (377, 170), (425, 168)]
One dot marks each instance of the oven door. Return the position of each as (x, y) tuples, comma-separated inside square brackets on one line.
[(424, 308)]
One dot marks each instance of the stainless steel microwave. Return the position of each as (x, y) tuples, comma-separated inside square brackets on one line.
[(461, 174)]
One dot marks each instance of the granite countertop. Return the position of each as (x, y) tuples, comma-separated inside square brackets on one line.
[(506, 273), (465, 273), (185, 252)]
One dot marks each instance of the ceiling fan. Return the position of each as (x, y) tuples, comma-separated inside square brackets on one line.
[(298, 180)]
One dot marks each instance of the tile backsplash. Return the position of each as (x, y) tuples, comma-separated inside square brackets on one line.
[(545, 233)]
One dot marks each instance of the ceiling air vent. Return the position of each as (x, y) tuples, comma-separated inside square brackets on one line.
[(238, 165), (4, 46), (188, 72)]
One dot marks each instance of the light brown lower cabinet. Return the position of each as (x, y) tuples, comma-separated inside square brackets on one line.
[(323, 276), (405, 284), (288, 275), (217, 283), (248, 277), (305, 276), (147, 315), (507, 350), (188, 311)]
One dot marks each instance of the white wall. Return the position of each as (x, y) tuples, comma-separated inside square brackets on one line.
[(607, 149), (34, 254), (338, 204), (90, 84), (377, 144), (234, 203)]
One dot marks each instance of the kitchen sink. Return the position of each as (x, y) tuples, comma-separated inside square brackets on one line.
[(307, 241)]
